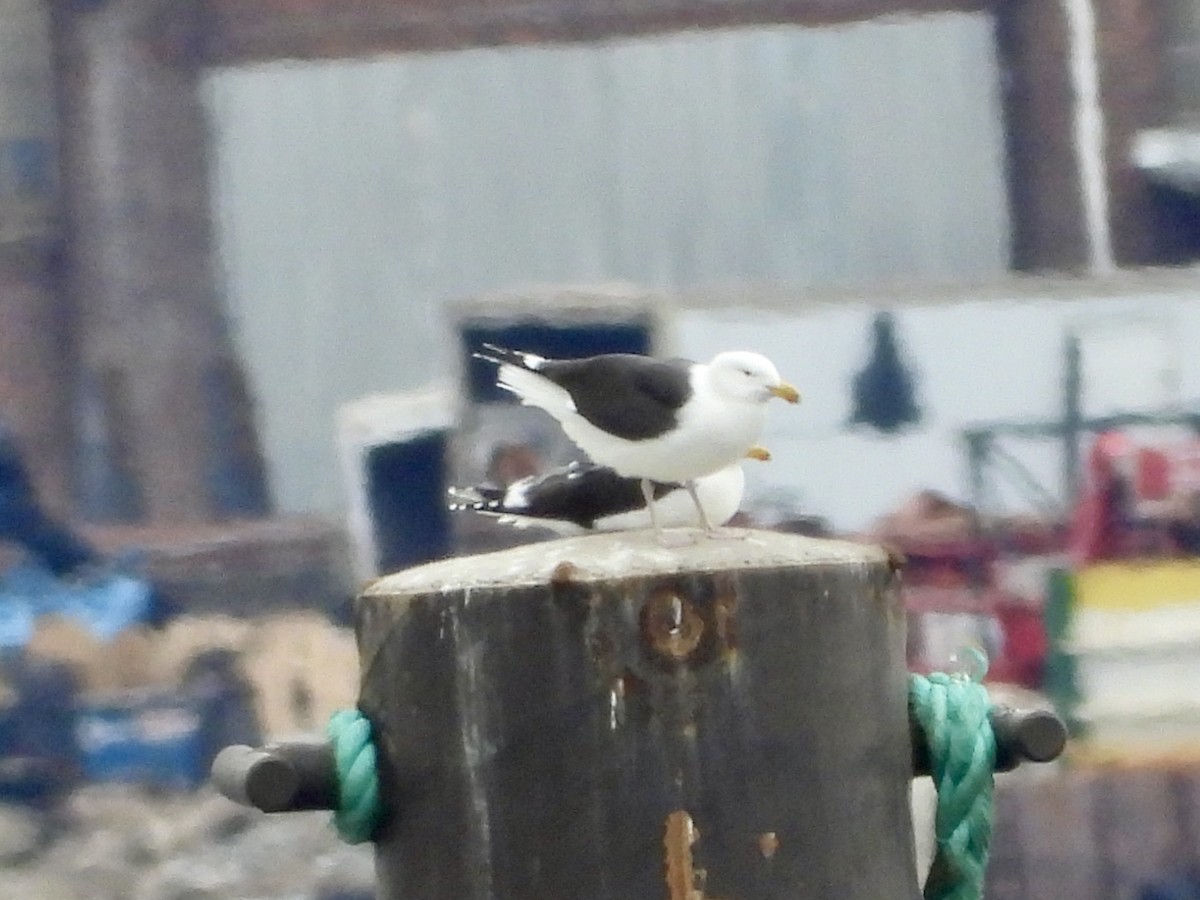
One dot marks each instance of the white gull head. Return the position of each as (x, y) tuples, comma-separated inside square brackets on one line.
[(741, 375)]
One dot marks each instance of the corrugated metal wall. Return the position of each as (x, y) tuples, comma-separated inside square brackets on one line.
[(355, 198)]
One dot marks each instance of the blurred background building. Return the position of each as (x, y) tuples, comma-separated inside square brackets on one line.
[(199, 174), (246, 248)]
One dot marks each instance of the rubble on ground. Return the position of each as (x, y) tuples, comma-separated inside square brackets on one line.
[(119, 842)]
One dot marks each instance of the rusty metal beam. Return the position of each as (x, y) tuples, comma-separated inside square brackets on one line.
[(166, 429), (1043, 173), (1134, 83), (1049, 231), (240, 31)]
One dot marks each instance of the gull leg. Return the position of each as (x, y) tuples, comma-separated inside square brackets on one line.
[(709, 529), (648, 495), (665, 539), (704, 523)]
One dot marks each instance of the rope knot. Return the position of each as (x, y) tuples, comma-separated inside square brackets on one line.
[(952, 711), (359, 810)]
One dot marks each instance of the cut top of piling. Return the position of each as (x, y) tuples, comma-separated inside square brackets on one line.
[(625, 554)]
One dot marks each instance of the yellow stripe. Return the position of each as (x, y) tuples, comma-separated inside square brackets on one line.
[(1086, 753), (1137, 586)]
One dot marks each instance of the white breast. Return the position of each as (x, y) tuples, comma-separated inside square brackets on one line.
[(710, 436)]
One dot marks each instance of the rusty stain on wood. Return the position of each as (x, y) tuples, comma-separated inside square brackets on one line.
[(564, 573), (680, 625), (685, 881), (681, 875), (896, 559), (768, 843), (724, 618), (671, 626), (567, 590)]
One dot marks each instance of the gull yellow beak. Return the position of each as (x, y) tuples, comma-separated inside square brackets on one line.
[(785, 391), (762, 454)]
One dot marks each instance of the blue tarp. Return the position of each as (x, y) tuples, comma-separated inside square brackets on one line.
[(105, 603)]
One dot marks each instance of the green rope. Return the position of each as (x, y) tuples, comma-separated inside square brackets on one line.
[(359, 809), (952, 711)]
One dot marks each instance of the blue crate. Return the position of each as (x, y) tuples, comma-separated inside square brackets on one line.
[(155, 739), (406, 491), (38, 758)]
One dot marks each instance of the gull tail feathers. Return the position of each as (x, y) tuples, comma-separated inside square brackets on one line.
[(502, 356), (534, 389), (465, 498), (493, 504)]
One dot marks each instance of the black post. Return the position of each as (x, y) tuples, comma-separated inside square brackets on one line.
[(605, 719)]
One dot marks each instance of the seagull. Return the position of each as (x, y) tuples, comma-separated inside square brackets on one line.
[(584, 497), (668, 421)]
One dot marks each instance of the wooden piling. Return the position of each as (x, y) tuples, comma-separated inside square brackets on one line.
[(604, 718)]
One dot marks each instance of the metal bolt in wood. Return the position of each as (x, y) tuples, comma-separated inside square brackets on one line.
[(603, 717)]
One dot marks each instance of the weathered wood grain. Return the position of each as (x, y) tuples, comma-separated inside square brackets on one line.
[(606, 718)]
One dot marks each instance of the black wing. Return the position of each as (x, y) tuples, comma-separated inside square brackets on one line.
[(579, 494), (632, 397), (584, 494)]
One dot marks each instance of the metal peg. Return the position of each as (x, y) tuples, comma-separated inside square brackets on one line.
[(1021, 736), (1036, 735), (290, 777)]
